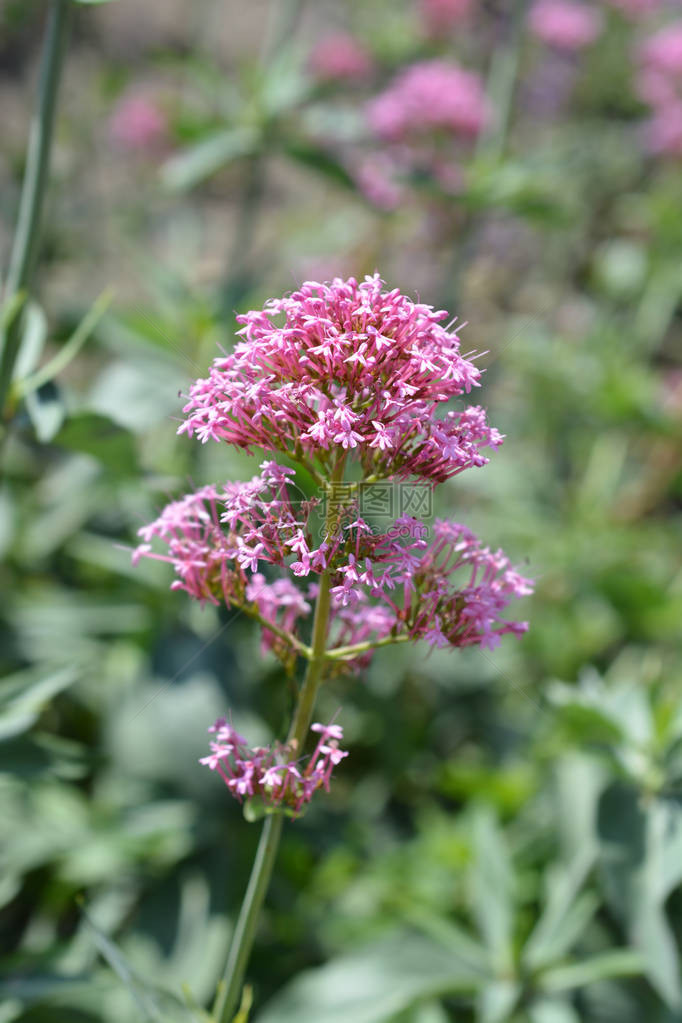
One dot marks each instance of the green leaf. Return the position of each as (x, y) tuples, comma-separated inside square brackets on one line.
[(69, 350), (26, 698), (46, 411), (565, 915), (563, 920), (92, 434), (587, 718), (552, 1010), (316, 159), (497, 1000), (492, 888), (142, 995), (32, 341), (284, 84), (373, 984), (639, 842), (198, 162), (448, 934), (619, 963), (245, 1006)]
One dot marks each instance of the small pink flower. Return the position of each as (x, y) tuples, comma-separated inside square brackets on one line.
[(565, 24), (340, 57), (137, 123), (268, 773)]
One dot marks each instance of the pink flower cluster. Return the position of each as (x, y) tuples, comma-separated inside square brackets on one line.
[(565, 24), (383, 584), (340, 57), (268, 773), (451, 591), (214, 536), (659, 84), (346, 365), (426, 117), (469, 614), (430, 95)]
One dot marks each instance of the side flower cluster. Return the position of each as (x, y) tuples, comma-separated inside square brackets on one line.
[(270, 773), (346, 365), (397, 585)]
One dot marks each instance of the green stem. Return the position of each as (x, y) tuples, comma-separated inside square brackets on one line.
[(501, 86), (245, 931), (25, 244)]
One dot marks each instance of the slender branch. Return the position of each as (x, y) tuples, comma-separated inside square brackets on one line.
[(242, 940), (25, 244), (283, 634), (502, 85), (341, 653)]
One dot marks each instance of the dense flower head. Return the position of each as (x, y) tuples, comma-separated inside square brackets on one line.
[(346, 365), (565, 24), (272, 774), (340, 57), (394, 584), (427, 96)]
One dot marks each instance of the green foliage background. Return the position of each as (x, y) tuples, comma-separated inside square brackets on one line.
[(505, 841)]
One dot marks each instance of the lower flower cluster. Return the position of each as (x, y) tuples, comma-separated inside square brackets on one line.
[(269, 773)]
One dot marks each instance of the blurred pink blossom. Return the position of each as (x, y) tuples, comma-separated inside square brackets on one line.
[(663, 131), (441, 15), (377, 177), (635, 8), (653, 88), (340, 57), (432, 94), (564, 24), (662, 52), (137, 123)]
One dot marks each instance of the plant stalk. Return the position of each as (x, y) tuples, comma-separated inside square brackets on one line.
[(242, 940), (27, 234), (501, 86)]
